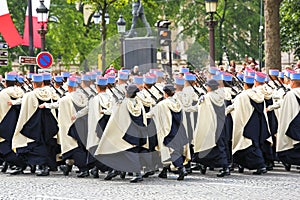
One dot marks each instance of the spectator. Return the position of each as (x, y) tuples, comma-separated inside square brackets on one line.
[(135, 71)]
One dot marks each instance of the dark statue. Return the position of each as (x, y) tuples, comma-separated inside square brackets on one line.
[(138, 12)]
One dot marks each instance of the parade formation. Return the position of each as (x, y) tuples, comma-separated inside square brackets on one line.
[(140, 125), (98, 111)]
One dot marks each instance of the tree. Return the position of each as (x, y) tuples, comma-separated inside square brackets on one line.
[(238, 25), (272, 35), (68, 38), (290, 26)]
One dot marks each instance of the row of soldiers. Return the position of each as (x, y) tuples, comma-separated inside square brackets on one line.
[(109, 123)]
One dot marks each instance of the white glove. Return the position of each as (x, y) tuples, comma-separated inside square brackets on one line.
[(201, 99)]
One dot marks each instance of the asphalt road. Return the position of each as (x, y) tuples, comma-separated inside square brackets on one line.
[(277, 184)]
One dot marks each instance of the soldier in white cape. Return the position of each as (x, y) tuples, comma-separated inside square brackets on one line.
[(172, 138), (288, 136), (11, 98)]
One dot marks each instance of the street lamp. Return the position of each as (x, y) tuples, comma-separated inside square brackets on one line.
[(211, 8), (106, 18), (98, 16), (121, 23), (42, 13)]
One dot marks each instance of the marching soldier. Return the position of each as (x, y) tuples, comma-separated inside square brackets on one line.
[(189, 97), (270, 120), (72, 122), (209, 139), (138, 81), (122, 144), (288, 137), (149, 100), (10, 104), (230, 94), (36, 128), (159, 84), (250, 129), (58, 84), (98, 118), (172, 137), (120, 87)]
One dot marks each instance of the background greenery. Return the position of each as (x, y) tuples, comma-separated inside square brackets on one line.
[(70, 40)]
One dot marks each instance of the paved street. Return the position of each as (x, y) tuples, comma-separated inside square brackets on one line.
[(277, 184)]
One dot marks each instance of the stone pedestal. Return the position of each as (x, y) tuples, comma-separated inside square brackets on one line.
[(140, 51)]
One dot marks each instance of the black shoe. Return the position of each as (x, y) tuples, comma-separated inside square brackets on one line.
[(182, 174), (231, 167), (269, 168), (95, 172), (163, 173), (4, 167), (241, 169), (269, 165), (203, 169), (66, 169), (136, 179), (122, 175), (224, 172), (32, 168), (83, 174), (111, 175), (17, 171), (147, 174), (130, 174), (260, 171), (189, 170), (44, 171), (287, 166)]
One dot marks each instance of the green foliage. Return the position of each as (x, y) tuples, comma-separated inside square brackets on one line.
[(197, 55), (4, 69), (290, 26), (67, 36), (238, 32), (74, 42)]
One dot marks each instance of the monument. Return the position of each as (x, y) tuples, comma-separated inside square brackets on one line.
[(141, 51), (138, 12)]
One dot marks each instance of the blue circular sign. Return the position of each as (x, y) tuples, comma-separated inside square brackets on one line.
[(44, 60)]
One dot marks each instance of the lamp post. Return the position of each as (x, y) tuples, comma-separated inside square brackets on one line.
[(98, 20), (31, 49), (121, 23), (42, 12), (211, 8)]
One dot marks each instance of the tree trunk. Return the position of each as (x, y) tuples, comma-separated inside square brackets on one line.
[(272, 35)]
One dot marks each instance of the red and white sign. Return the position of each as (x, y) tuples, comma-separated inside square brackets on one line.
[(27, 60)]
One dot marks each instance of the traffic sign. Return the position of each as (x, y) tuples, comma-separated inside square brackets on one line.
[(27, 60), (3, 53), (44, 60), (3, 45), (3, 62)]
